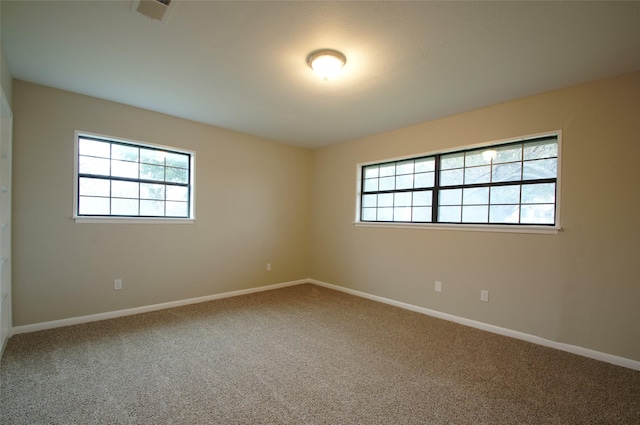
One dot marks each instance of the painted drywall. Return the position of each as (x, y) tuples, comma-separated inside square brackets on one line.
[(579, 287), (252, 207), (5, 77)]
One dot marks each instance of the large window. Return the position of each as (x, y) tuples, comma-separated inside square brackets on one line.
[(117, 178), (508, 184)]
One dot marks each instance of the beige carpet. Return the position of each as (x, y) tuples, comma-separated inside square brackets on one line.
[(302, 355)]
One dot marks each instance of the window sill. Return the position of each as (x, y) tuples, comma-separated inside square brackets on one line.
[(545, 230), (133, 220)]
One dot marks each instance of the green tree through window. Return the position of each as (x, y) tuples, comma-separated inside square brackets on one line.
[(116, 178), (508, 184)]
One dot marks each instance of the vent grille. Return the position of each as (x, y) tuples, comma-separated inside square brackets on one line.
[(158, 10)]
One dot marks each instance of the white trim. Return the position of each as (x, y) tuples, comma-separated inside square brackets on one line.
[(544, 230), (5, 108), (469, 147), (559, 179), (132, 220), (516, 228), (108, 138), (145, 309), (6, 140), (581, 351), (135, 220)]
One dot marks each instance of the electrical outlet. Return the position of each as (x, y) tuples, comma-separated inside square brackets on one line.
[(117, 284), (268, 267), (438, 286), (484, 295)]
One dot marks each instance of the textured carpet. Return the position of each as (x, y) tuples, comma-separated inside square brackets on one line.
[(301, 355)]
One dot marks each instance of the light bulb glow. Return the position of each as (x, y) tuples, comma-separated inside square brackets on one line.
[(326, 63)]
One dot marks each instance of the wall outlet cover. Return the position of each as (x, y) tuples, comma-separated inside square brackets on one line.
[(484, 296)]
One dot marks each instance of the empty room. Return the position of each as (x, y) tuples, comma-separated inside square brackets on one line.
[(319, 212)]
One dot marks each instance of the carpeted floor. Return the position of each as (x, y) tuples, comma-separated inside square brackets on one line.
[(301, 355)]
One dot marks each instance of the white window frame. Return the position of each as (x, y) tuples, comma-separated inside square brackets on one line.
[(131, 219), (511, 228)]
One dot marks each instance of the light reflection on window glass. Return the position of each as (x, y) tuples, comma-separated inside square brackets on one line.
[(516, 184), (124, 179)]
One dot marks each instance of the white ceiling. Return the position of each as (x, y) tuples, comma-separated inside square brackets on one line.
[(242, 65)]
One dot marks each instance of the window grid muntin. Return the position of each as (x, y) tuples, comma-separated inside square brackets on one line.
[(436, 188), (166, 152)]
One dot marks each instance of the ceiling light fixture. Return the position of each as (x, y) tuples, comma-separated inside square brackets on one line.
[(326, 63)]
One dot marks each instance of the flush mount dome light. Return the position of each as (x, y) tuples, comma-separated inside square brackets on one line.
[(326, 63)]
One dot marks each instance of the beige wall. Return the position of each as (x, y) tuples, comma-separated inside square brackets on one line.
[(252, 207), (5, 77), (578, 287)]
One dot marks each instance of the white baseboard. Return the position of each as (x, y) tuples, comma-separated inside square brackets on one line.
[(585, 352), (144, 309)]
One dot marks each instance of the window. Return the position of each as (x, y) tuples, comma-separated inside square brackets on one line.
[(508, 184), (116, 178)]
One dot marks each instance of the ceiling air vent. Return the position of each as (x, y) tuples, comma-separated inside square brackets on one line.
[(154, 9)]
